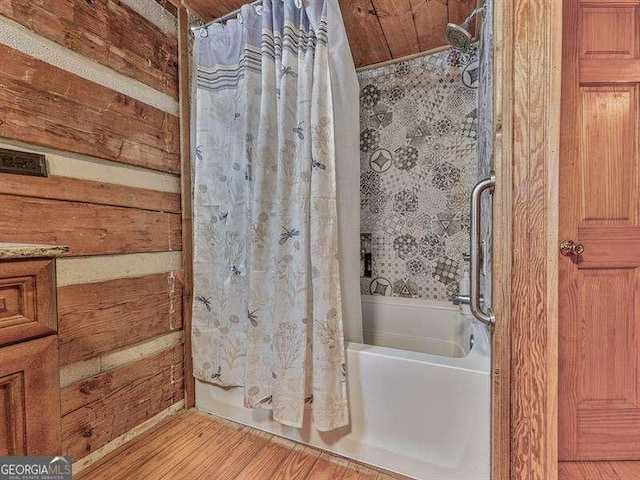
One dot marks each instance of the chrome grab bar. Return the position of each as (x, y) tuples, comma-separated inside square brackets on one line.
[(486, 317)]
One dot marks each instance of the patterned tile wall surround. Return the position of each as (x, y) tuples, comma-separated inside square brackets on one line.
[(418, 154), (485, 138)]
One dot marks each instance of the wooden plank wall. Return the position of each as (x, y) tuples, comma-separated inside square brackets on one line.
[(45, 105), (113, 196)]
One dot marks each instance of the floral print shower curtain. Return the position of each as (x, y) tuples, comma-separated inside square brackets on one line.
[(268, 312)]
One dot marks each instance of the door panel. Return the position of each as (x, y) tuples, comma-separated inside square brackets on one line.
[(599, 325), (607, 32), (608, 180), (605, 345), (609, 433), (27, 300), (12, 420), (598, 471), (30, 398)]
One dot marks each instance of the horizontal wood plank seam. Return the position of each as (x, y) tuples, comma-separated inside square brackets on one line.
[(21, 38), (88, 229), (110, 33), (89, 191), (163, 17), (76, 166), (101, 409), (154, 301), (84, 369), (55, 108), (102, 268)]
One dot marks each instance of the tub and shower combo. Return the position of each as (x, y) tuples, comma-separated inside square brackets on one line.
[(418, 393), (419, 387), (418, 375)]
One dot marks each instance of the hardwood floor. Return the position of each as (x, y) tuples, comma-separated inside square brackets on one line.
[(194, 445)]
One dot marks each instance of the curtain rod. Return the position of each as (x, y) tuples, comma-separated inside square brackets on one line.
[(227, 16), (223, 18)]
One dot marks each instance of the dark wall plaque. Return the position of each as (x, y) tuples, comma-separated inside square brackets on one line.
[(23, 163)]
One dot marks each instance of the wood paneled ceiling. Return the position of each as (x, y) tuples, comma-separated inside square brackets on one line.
[(378, 30)]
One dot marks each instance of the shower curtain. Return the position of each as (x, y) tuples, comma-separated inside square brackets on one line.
[(276, 209)]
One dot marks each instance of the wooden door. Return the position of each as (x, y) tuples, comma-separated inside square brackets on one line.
[(30, 398), (599, 301)]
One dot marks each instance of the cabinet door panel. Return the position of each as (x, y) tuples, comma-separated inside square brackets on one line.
[(12, 420), (27, 300), (30, 398)]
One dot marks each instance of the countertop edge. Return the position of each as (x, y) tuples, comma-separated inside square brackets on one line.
[(10, 251)]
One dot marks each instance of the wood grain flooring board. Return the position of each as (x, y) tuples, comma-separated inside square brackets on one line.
[(268, 460), (198, 437), (298, 464), (230, 466), (328, 467), (159, 445), (197, 462), (356, 471), (194, 445), (129, 456)]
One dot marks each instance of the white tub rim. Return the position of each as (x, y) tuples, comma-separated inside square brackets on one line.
[(410, 302)]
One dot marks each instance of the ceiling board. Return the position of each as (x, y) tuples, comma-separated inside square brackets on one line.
[(378, 30), (371, 45), (430, 18), (396, 20), (207, 9)]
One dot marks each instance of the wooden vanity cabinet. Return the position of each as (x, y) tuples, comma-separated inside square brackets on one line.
[(29, 367)]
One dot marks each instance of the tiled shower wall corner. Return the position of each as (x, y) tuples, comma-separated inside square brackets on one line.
[(485, 140), (418, 155)]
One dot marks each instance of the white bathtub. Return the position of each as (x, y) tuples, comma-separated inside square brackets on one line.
[(419, 397)]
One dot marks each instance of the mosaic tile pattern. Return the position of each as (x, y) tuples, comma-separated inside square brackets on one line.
[(418, 154)]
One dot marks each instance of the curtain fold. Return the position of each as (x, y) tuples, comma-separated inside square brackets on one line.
[(268, 310)]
